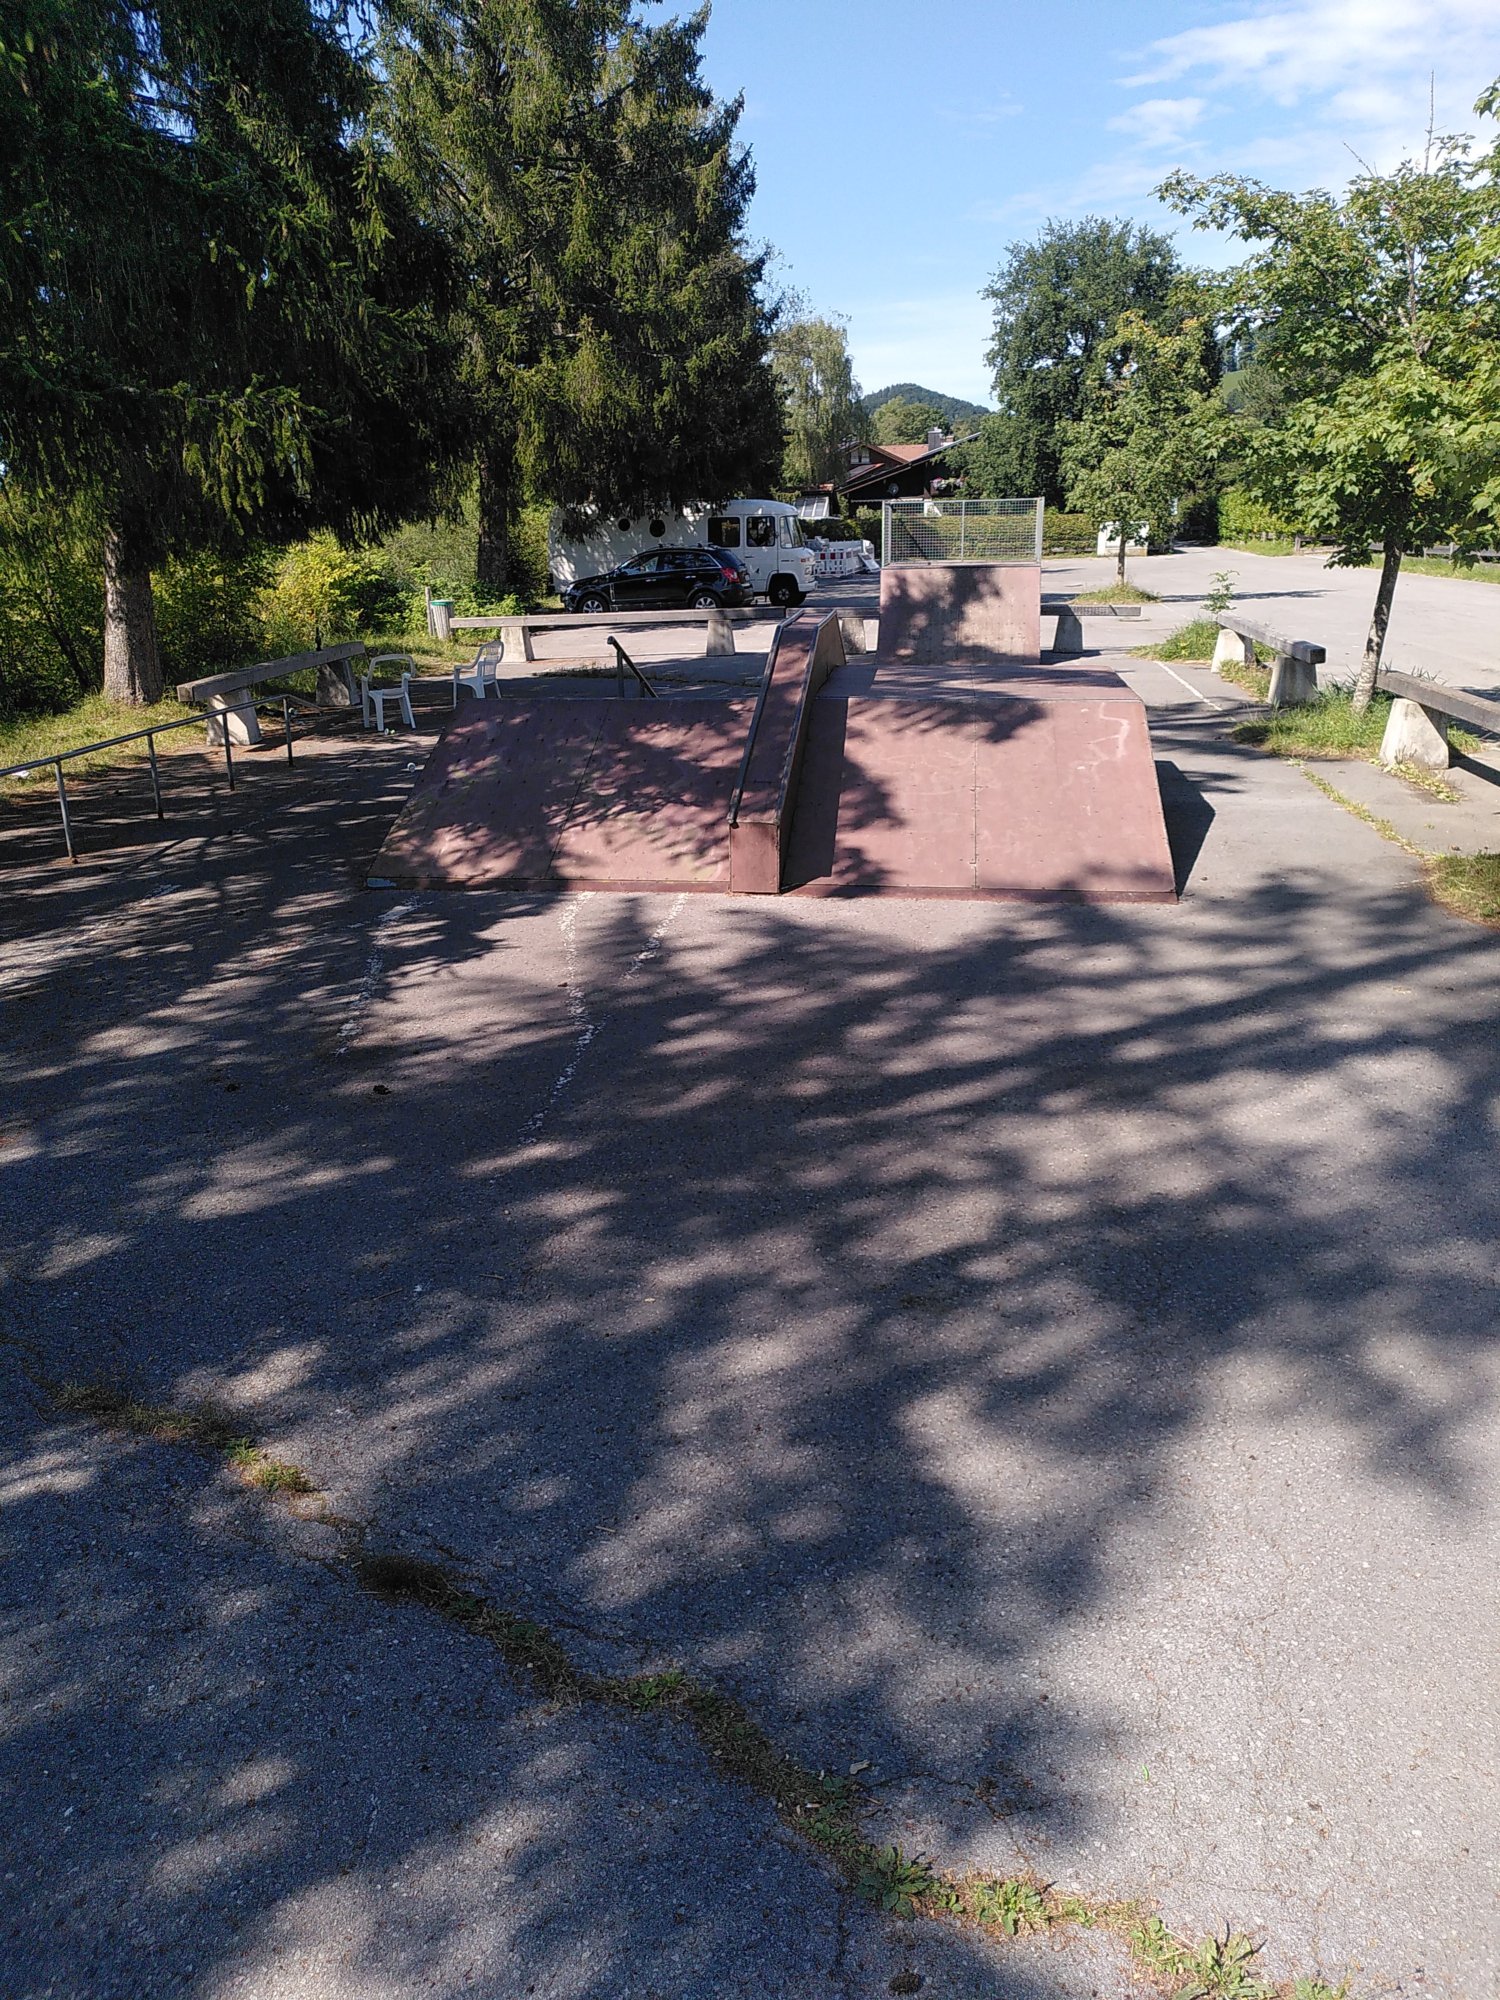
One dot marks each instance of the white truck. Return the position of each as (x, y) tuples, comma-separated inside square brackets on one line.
[(764, 535)]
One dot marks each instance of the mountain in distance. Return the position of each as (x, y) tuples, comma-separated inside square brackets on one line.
[(955, 410)]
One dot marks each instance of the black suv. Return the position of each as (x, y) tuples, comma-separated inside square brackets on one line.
[(674, 579)]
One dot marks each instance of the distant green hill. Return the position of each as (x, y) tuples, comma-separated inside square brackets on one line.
[(954, 408)]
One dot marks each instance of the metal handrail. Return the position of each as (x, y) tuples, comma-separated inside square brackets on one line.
[(623, 660), (737, 796), (284, 702)]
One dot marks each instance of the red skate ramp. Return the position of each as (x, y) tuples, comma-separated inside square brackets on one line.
[(573, 794), (948, 613), (1034, 786)]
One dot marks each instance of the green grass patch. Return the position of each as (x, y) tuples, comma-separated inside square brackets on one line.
[(1467, 884), (1325, 728), (1116, 593), (1475, 572), (90, 721), (1194, 641), (1329, 728), (1273, 545)]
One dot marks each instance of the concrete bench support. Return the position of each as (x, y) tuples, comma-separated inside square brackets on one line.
[(336, 688), (1068, 638), (1294, 682), (852, 625), (720, 641), (517, 637), (242, 723), (1416, 735), (1232, 649)]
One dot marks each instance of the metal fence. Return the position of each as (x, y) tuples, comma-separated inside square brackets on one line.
[(924, 531)]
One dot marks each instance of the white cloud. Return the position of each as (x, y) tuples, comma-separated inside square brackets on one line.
[(1159, 122), (1371, 59)]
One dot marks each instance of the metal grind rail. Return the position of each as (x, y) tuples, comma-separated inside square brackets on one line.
[(768, 674), (622, 661), (283, 702)]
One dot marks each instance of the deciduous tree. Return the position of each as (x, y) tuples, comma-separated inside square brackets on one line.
[(1056, 302), (1379, 313), (1151, 427), (820, 398)]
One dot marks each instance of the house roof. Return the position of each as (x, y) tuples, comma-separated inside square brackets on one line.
[(886, 458)]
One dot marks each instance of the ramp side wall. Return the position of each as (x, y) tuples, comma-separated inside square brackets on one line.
[(947, 613)]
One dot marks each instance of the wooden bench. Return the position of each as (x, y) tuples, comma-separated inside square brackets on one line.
[(1294, 673), (1416, 731), (337, 687)]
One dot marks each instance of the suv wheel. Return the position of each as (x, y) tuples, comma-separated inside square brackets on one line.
[(594, 601), (703, 600)]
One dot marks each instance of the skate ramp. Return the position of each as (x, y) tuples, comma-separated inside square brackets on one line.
[(945, 614), (1019, 785)]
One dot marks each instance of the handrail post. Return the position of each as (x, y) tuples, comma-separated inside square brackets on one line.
[(62, 800), (155, 775), (286, 723), (228, 752)]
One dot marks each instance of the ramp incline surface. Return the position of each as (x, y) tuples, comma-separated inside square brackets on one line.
[(947, 766)]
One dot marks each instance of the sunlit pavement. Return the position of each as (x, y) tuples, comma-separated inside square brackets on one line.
[(1046, 1355)]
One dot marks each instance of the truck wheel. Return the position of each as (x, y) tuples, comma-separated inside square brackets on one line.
[(783, 590)]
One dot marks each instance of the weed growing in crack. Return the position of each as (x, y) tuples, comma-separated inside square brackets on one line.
[(1014, 1906), (1319, 1989), (1216, 1968), (201, 1427), (271, 1475), (892, 1882)]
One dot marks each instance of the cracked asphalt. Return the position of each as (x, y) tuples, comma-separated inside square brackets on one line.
[(1046, 1353)]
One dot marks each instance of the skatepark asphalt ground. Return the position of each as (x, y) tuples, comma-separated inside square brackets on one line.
[(1043, 1355)]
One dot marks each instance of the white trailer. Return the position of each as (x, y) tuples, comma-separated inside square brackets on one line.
[(766, 536)]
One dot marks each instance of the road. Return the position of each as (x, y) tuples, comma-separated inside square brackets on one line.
[(1448, 627)]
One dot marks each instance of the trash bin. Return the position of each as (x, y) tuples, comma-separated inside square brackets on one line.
[(439, 617)]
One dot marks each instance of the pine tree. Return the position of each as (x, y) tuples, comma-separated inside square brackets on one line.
[(216, 313), (612, 328)]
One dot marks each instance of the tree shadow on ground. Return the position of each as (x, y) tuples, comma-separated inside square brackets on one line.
[(821, 1301)]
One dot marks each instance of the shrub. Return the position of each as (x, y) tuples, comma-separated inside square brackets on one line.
[(208, 612), (1068, 534), (51, 606), (1242, 519), (322, 592)]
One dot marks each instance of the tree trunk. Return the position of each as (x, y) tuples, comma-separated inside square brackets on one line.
[(1120, 562), (1364, 686), (132, 658), (497, 508)]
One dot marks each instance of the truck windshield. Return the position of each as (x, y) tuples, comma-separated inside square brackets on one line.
[(792, 536)]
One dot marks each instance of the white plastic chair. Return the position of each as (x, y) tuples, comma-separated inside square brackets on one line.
[(372, 697), (479, 676)]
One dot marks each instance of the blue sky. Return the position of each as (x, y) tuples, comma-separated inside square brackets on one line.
[(901, 144)]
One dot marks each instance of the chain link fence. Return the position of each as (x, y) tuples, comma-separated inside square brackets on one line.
[(925, 531)]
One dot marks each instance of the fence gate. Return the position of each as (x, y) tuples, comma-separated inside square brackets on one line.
[(923, 531)]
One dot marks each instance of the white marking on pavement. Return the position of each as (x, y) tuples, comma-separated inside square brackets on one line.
[(584, 1025), (578, 1013), (1208, 700), (353, 1021)]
